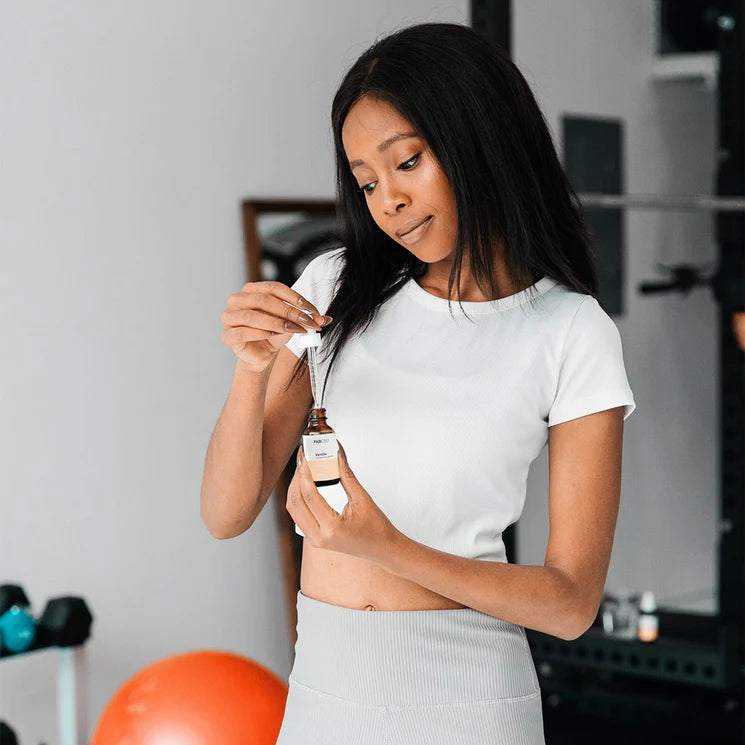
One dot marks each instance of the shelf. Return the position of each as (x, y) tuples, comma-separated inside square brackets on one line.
[(71, 690), (702, 67), (633, 712), (706, 659)]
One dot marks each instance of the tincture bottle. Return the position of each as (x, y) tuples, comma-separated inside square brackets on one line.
[(321, 449), (649, 623)]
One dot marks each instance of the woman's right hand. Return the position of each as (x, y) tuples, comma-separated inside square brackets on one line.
[(258, 321)]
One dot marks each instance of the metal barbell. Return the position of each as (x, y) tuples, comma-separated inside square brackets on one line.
[(664, 201)]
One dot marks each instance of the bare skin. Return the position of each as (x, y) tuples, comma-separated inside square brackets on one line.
[(341, 579), (396, 196)]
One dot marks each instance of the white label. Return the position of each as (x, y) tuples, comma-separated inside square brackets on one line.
[(649, 622), (320, 446)]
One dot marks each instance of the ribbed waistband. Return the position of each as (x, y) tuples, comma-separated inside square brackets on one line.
[(410, 657)]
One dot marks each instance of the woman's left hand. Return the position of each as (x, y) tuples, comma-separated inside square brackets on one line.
[(361, 529)]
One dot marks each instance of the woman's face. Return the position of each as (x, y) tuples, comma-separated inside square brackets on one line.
[(403, 182)]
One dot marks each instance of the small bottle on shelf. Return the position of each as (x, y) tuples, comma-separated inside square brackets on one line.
[(648, 619)]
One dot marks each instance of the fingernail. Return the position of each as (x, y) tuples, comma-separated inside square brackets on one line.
[(327, 320), (300, 456)]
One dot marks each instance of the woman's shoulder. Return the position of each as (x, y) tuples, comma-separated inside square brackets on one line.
[(566, 301), (318, 280), (565, 310), (580, 316), (326, 264)]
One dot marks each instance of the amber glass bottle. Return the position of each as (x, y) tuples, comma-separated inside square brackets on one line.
[(321, 449)]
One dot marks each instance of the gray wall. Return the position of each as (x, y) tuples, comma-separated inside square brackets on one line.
[(130, 132)]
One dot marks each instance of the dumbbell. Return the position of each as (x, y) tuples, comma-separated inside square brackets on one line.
[(17, 625), (65, 622), (17, 630), (7, 736), (11, 595)]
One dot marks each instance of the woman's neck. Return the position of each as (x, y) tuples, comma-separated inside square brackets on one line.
[(435, 281)]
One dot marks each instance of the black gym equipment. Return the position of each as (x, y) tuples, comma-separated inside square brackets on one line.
[(7, 735), (688, 686), (65, 625), (11, 595), (65, 622)]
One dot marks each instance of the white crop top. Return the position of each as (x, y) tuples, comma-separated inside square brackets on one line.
[(441, 417)]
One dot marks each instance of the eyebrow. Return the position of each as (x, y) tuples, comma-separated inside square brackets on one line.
[(384, 146)]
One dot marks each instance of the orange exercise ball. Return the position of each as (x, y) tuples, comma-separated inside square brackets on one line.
[(196, 698)]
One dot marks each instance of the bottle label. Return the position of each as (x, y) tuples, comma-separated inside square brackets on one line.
[(321, 452), (648, 622), (320, 446)]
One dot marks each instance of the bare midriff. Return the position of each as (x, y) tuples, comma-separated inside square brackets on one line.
[(341, 579)]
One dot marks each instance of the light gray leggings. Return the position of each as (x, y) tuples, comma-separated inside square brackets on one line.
[(410, 677)]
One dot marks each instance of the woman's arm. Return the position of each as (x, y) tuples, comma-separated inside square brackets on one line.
[(562, 597)]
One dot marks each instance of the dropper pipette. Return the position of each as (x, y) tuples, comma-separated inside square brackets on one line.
[(312, 341)]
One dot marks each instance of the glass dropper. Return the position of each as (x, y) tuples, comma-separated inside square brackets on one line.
[(312, 341)]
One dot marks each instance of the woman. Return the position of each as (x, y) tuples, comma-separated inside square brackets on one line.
[(449, 188)]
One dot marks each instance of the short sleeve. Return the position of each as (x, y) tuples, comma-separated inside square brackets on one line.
[(592, 375), (317, 283)]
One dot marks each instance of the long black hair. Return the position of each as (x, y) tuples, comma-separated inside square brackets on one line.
[(476, 112)]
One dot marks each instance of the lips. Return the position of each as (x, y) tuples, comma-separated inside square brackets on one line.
[(410, 226)]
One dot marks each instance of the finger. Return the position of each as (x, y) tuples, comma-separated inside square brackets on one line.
[(285, 309), (320, 508), (273, 289), (238, 336), (242, 299), (347, 479), (286, 327), (258, 319), (345, 471), (294, 298), (299, 509)]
